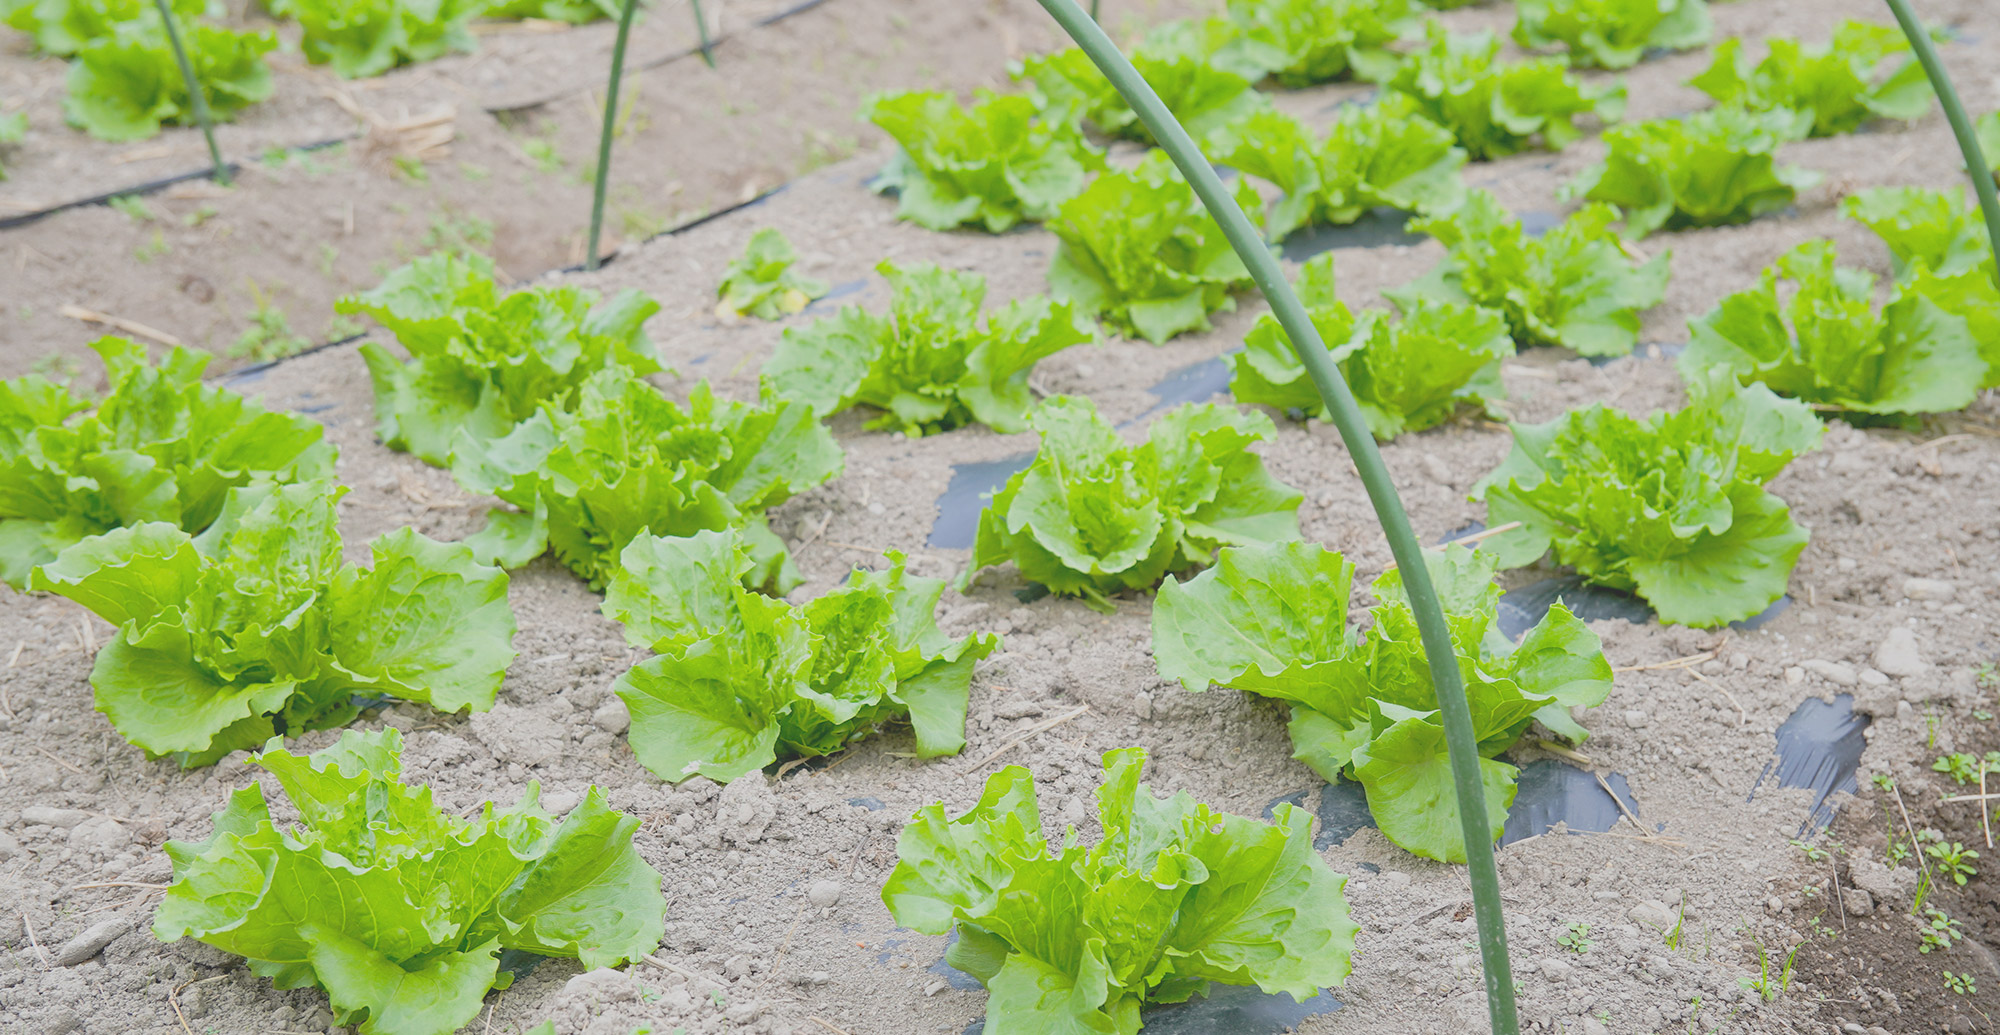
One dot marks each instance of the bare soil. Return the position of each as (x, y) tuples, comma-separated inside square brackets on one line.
[(748, 951)]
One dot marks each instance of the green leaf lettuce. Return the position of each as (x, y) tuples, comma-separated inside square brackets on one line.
[(760, 282), (1001, 162), (1176, 896)]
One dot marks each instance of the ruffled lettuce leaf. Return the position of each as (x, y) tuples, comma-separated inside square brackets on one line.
[(363, 38), (933, 363), (1577, 286), (64, 27), (161, 446), (124, 85), (1612, 33), (1712, 168), (1497, 108), (740, 680), (256, 628), (1671, 506), (396, 908), (760, 282), (1139, 250), (482, 361), (1203, 81), (573, 12), (1001, 162), (1407, 373), (1273, 620), (1826, 343), (1175, 897), (1936, 229), (624, 460), (1092, 516), (1373, 156), (1305, 42), (1835, 87)]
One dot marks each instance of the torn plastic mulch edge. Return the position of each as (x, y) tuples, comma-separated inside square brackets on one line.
[(1819, 748)]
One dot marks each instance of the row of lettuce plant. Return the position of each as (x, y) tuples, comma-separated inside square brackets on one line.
[(124, 82)]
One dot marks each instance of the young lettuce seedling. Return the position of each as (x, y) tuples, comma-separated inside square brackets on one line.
[(161, 446), (1577, 286), (1140, 251), (1712, 168), (761, 283), (590, 476), (1174, 898), (741, 679), (1836, 87), (1371, 157), (1671, 506), (933, 363), (1003, 161), (1272, 620), (395, 908), (1612, 33), (1830, 346), (1092, 516), (482, 360), (256, 628), (1497, 108), (1407, 373)]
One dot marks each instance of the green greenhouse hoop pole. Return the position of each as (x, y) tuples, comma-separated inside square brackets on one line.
[(1312, 351), (195, 96), (1954, 113), (701, 30), (604, 139)]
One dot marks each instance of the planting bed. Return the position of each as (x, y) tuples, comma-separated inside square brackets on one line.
[(774, 920)]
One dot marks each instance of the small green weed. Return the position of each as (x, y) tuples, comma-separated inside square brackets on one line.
[(153, 248), (133, 207), (413, 169), (1963, 984), (1941, 931), (1770, 986), (543, 154), (1577, 939), (1966, 768), (1953, 859), (269, 335)]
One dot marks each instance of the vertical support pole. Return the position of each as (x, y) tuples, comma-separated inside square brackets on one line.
[(610, 125), (196, 97)]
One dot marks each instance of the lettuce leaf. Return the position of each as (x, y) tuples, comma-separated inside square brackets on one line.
[(255, 628), (64, 27), (1407, 374), (1837, 86), (1188, 64), (1830, 346), (1272, 620), (481, 361), (1176, 896), (1139, 250), (396, 908), (929, 365), (1712, 168), (1935, 229), (626, 460), (760, 282), (573, 12), (161, 446), (1306, 42), (1092, 516), (1577, 286), (740, 680), (1940, 249), (1612, 33), (1002, 162), (1372, 156), (125, 85), (1671, 507), (1497, 108), (362, 38)]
